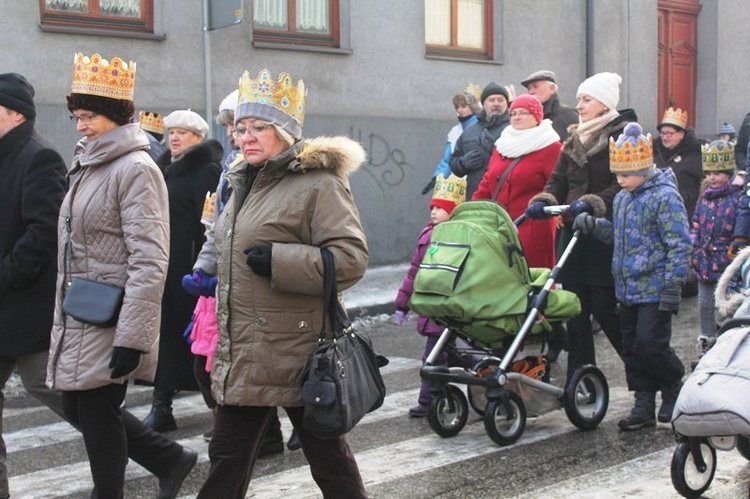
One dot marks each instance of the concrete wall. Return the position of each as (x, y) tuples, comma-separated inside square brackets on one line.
[(384, 92)]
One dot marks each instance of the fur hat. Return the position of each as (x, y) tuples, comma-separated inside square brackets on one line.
[(494, 89), (467, 99), (604, 87), (16, 93), (187, 119), (530, 103), (543, 74)]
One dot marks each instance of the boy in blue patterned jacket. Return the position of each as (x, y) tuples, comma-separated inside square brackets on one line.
[(649, 230)]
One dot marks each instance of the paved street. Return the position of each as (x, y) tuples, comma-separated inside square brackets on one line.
[(399, 456)]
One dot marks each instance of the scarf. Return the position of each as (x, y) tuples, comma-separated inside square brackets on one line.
[(589, 128), (516, 143), (719, 192)]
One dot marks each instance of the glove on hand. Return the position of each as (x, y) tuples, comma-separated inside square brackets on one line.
[(536, 210), (124, 361), (736, 246), (402, 316), (585, 222), (474, 160), (429, 187), (486, 141), (577, 207), (259, 260), (199, 283), (669, 300)]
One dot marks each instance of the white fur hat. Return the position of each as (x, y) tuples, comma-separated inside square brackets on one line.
[(187, 119), (604, 87)]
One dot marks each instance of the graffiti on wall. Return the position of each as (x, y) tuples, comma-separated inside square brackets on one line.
[(385, 164)]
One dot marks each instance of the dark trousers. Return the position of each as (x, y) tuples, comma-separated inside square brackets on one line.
[(203, 378), (110, 434), (237, 436), (650, 363), (600, 302), (442, 360)]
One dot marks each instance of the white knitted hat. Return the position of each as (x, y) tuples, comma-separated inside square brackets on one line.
[(604, 87), (187, 119)]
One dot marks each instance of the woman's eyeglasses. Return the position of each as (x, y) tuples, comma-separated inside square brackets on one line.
[(83, 118), (253, 130)]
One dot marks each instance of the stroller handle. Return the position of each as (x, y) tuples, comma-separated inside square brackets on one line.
[(550, 211)]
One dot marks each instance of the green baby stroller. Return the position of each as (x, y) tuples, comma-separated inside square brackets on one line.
[(475, 281)]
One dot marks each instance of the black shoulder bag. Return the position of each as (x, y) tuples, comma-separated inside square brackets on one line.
[(343, 380), (87, 301)]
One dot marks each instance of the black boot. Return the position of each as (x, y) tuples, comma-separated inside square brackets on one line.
[(669, 395), (294, 443), (160, 418), (169, 485), (273, 441), (642, 413)]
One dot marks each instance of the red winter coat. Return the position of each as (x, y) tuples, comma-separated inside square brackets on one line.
[(526, 179)]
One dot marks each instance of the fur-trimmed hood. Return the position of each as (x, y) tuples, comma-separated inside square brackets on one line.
[(341, 155)]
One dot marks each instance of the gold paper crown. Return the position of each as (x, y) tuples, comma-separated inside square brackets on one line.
[(475, 90), (96, 76), (451, 189), (676, 117), (632, 152), (151, 122), (282, 95), (718, 156)]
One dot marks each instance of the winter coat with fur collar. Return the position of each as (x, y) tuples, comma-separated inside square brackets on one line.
[(297, 202)]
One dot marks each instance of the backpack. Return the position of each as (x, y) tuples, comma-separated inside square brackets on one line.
[(474, 277), (713, 400)]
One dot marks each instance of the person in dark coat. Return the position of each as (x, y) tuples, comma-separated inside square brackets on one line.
[(191, 170), (583, 180), (678, 148), (32, 189), (543, 85), (474, 146)]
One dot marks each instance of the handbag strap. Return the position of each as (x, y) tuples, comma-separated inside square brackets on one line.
[(504, 176), (68, 231), (333, 312)]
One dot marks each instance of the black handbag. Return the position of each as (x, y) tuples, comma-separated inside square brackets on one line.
[(93, 302), (87, 301), (343, 381)]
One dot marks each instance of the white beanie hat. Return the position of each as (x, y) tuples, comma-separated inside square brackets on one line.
[(187, 119), (230, 101), (604, 87)]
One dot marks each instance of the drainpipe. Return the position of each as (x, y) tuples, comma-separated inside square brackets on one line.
[(589, 38), (207, 68)]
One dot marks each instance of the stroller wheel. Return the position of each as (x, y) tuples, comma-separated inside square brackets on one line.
[(448, 411), (586, 397), (504, 421), (690, 476), (743, 447)]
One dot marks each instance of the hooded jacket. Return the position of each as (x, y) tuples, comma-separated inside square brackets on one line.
[(119, 234), (296, 203), (651, 240)]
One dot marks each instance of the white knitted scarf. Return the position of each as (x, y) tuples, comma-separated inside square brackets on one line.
[(514, 143)]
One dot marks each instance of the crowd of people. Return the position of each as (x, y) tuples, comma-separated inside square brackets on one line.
[(219, 257), (660, 218), (218, 253)]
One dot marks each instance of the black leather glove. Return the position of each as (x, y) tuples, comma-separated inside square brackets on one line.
[(669, 300), (429, 187), (577, 207), (124, 361), (585, 222), (535, 210), (259, 260)]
